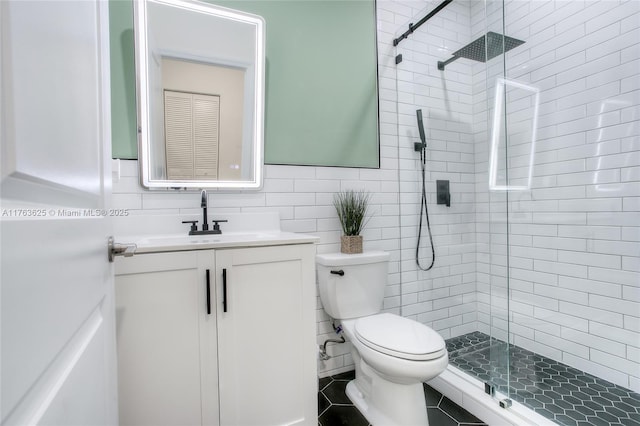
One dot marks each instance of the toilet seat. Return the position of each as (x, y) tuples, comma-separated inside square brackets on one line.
[(399, 337)]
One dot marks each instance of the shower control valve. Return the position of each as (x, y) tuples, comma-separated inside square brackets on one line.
[(443, 196)]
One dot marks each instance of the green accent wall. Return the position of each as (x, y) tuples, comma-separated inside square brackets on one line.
[(124, 140), (321, 105)]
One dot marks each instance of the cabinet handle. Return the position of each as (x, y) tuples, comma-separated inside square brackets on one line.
[(224, 290), (208, 294)]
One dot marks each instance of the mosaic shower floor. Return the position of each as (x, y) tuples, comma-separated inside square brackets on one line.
[(554, 390)]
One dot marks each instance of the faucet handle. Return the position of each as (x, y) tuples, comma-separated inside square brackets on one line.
[(194, 227), (216, 226)]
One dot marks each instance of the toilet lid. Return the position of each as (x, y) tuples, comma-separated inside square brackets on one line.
[(399, 337)]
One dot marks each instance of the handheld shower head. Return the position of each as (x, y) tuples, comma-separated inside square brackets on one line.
[(423, 138), (421, 147)]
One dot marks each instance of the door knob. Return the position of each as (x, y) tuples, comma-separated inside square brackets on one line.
[(116, 249)]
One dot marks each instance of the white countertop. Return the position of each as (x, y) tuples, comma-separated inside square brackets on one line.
[(241, 230), (164, 243)]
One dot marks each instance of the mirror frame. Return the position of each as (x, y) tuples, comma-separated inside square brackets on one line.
[(142, 95)]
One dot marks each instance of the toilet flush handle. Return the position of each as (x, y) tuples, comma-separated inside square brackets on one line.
[(338, 272)]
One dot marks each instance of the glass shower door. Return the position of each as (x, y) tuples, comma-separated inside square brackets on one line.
[(508, 180), (512, 120)]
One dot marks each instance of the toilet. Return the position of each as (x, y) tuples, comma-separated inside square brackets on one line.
[(392, 355)]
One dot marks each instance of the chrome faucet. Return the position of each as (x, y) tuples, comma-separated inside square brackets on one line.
[(203, 204), (205, 222)]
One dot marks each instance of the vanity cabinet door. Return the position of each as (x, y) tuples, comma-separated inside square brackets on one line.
[(167, 372), (266, 336)]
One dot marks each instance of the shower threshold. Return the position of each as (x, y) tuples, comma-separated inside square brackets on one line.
[(543, 390)]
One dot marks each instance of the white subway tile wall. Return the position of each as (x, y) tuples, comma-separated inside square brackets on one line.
[(444, 297), (574, 236)]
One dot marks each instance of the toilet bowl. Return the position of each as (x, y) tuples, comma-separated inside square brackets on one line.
[(400, 349), (393, 355)]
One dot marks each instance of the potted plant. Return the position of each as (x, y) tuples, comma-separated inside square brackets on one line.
[(351, 207)]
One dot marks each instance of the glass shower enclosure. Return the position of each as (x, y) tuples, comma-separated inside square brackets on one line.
[(531, 110)]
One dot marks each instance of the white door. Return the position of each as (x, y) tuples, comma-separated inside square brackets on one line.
[(56, 290)]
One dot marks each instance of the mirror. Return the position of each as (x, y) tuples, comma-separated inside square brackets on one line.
[(200, 92)]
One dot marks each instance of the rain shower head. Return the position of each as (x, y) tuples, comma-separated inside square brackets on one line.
[(484, 48)]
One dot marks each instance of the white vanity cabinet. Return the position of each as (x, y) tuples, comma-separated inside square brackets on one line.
[(238, 351)]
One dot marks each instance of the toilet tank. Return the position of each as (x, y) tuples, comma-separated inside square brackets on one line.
[(352, 285)]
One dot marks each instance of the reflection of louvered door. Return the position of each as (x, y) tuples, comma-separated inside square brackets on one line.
[(178, 130), (191, 135), (206, 113)]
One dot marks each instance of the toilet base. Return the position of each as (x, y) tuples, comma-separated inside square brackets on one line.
[(384, 403)]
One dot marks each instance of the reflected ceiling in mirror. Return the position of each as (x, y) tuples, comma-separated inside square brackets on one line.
[(200, 75)]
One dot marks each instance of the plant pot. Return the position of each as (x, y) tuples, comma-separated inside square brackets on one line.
[(351, 244)]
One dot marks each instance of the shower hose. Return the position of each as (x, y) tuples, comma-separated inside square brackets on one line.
[(424, 208)]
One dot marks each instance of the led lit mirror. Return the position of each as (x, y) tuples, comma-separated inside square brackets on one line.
[(200, 92)]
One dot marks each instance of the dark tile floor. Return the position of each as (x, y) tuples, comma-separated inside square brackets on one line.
[(567, 396), (335, 408)]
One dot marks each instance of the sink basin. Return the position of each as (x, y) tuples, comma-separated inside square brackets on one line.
[(191, 239), (202, 239)]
